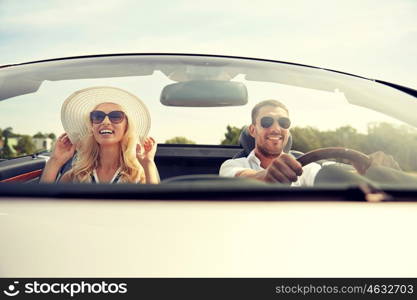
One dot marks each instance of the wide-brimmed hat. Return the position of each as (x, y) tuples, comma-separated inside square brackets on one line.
[(75, 111)]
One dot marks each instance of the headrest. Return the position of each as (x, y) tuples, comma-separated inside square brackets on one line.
[(248, 142)]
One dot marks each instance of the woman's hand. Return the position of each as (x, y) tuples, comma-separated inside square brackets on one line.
[(146, 153), (63, 149)]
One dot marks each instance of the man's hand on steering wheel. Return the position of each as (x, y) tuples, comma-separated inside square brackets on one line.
[(357, 159), (382, 159), (284, 169)]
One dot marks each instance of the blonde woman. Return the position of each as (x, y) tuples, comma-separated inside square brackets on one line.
[(109, 127)]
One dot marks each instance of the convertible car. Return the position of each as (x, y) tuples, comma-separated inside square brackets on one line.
[(357, 220)]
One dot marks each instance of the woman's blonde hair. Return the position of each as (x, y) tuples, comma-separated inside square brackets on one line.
[(87, 157)]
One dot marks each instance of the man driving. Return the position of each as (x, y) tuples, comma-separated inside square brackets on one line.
[(268, 162)]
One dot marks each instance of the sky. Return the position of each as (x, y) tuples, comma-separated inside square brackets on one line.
[(372, 38)]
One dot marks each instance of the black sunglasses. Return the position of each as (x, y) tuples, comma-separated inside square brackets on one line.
[(98, 116), (283, 122)]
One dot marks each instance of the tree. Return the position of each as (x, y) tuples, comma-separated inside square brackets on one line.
[(232, 135), (6, 152), (179, 140), (305, 139), (39, 135), (25, 145), (7, 132), (398, 141)]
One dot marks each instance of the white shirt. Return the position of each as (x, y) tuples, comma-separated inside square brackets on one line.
[(232, 166)]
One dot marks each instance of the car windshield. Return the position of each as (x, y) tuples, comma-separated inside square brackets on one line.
[(201, 103)]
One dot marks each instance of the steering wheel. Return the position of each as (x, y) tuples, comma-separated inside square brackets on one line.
[(359, 160)]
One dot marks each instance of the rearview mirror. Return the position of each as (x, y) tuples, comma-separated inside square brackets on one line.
[(205, 93)]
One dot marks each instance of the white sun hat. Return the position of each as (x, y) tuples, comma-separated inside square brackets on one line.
[(75, 111)]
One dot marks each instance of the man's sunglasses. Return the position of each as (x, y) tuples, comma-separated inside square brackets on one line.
[(283, 122), (98, 116)]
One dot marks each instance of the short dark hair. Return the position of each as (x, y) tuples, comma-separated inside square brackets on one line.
[(271, 102)]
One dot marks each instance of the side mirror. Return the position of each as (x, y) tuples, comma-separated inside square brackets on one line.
[(205, 93)]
